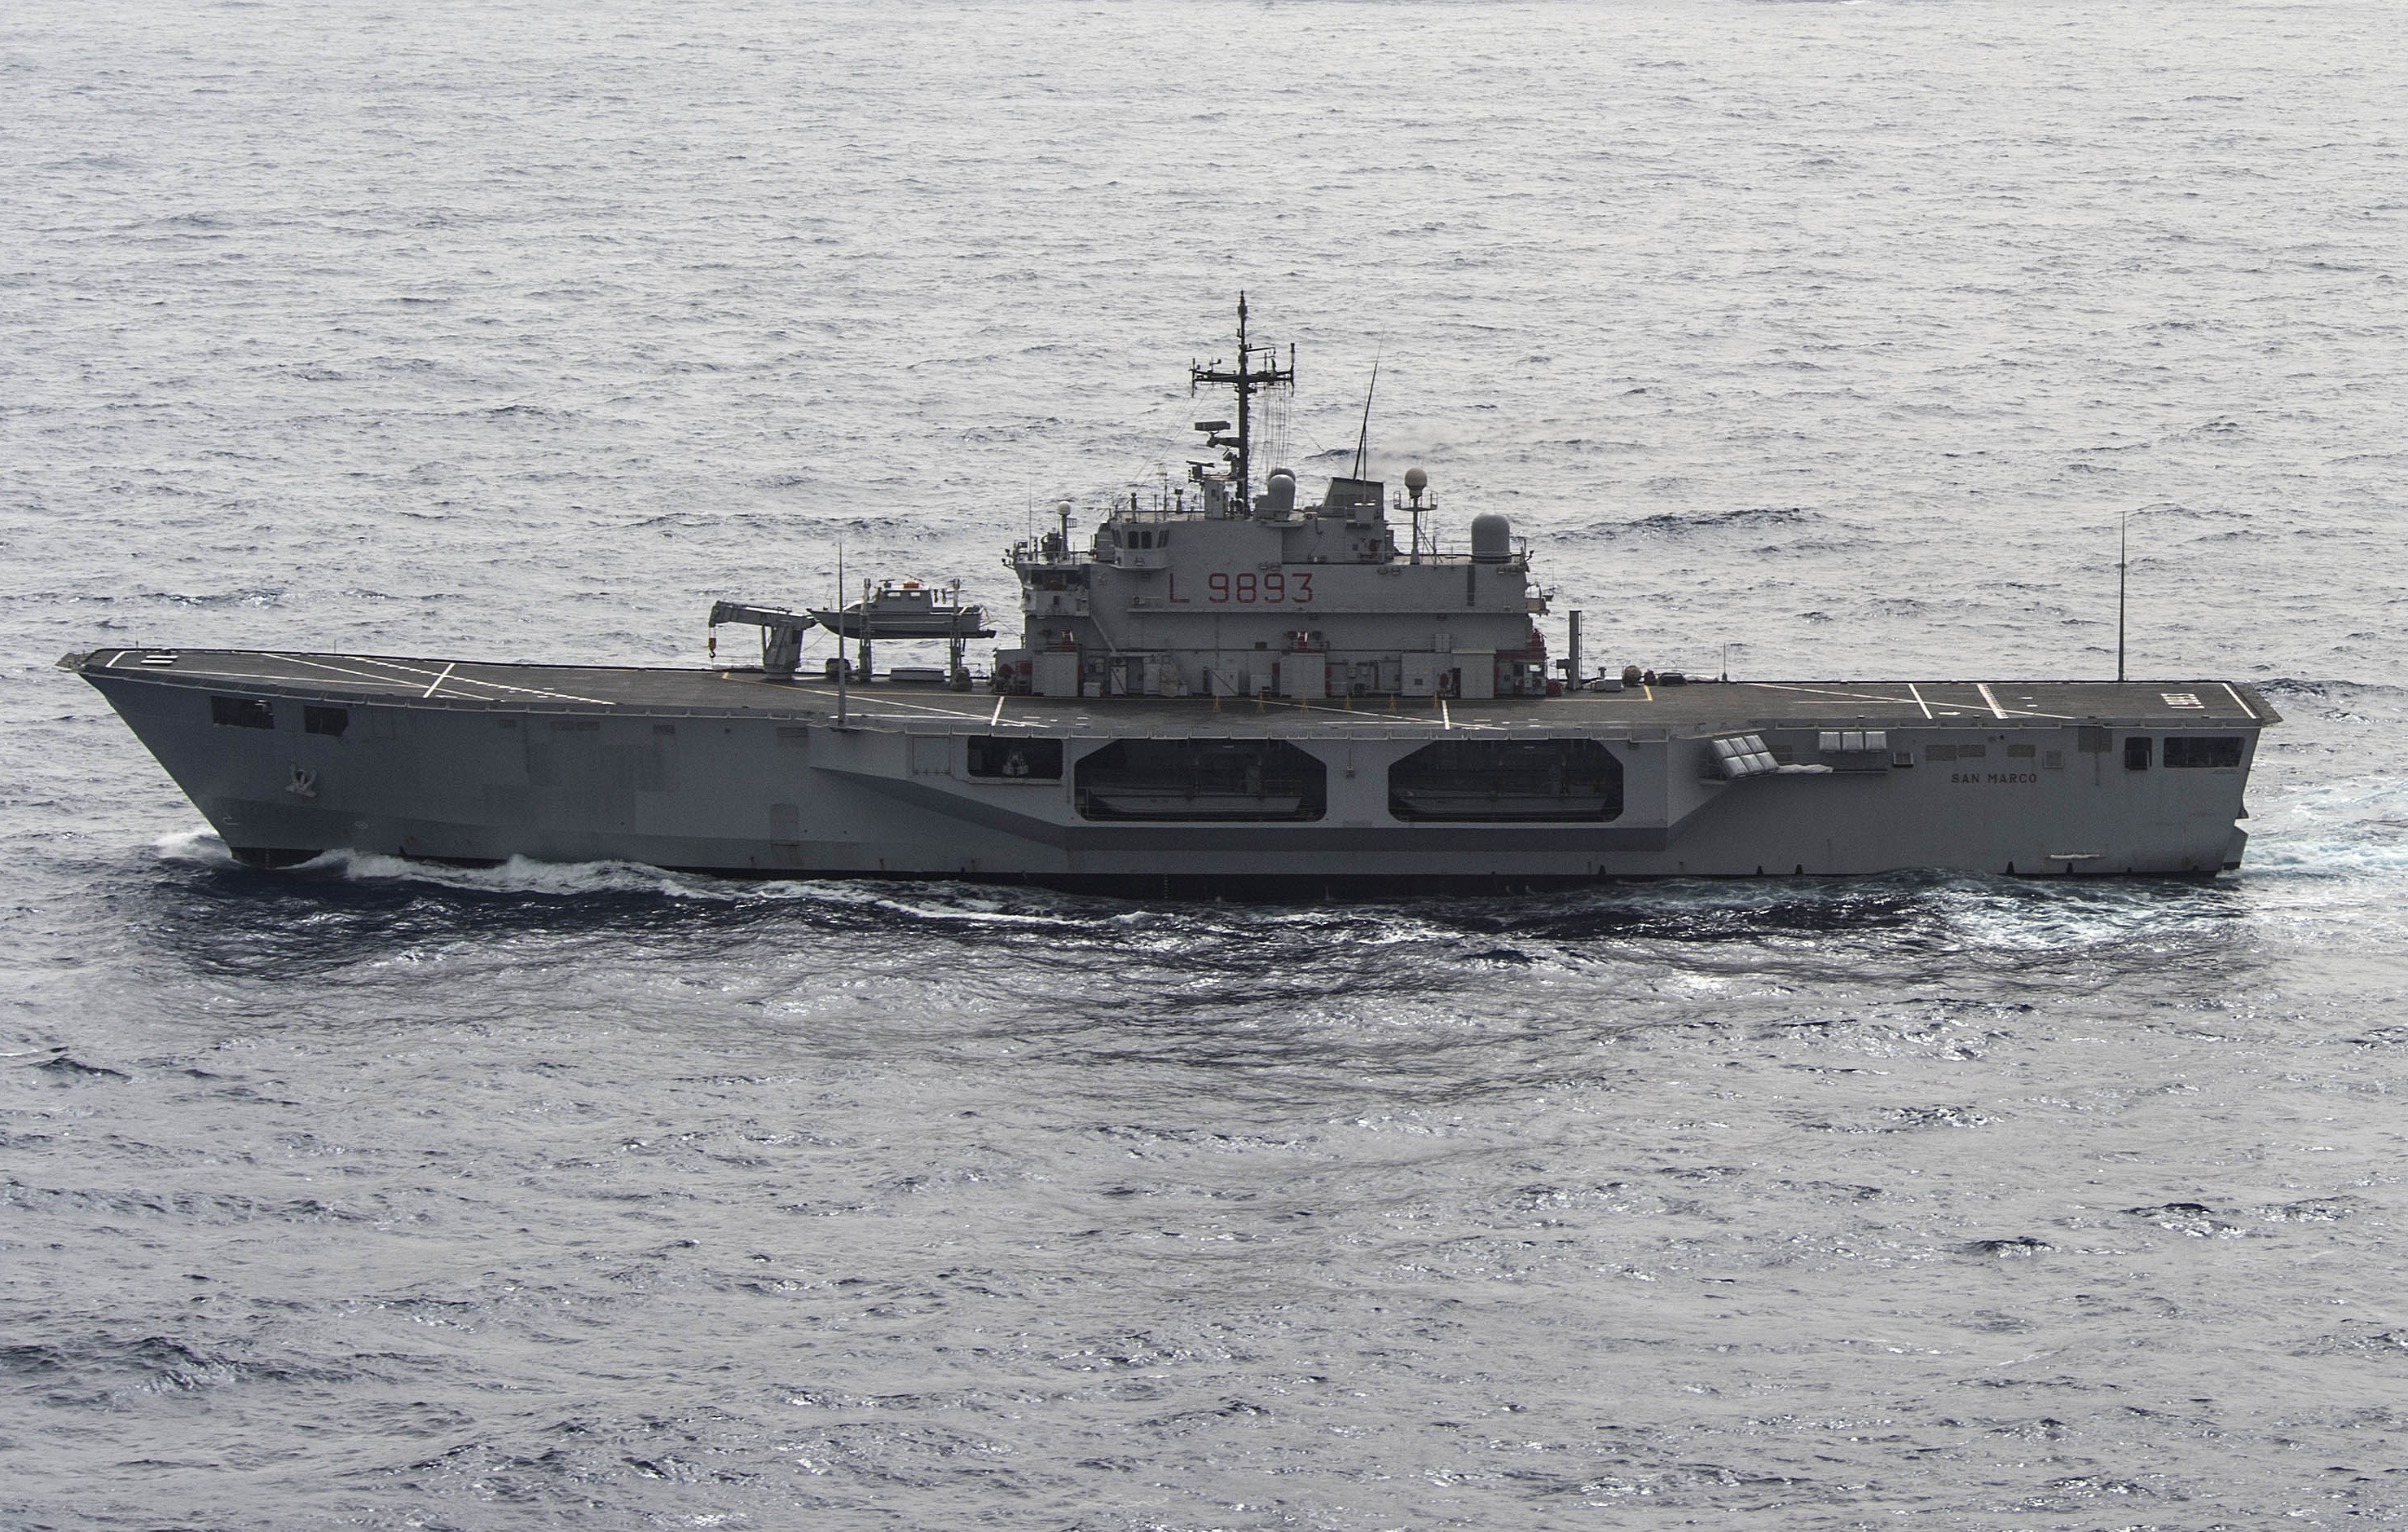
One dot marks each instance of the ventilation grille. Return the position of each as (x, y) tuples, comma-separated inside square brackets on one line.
[(1851, 741)]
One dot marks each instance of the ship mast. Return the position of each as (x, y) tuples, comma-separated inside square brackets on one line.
[(1246, 377)]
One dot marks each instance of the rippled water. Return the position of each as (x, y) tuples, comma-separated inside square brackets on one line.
[(1841, 334)]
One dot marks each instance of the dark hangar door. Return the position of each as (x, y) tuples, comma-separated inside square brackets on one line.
[(1503, 782), (1225, 781)]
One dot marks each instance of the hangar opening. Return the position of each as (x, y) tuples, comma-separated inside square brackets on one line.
[(1231, 780), (1507, 781)]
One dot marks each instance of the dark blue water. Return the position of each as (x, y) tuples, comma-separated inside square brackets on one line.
[(1839, 335)]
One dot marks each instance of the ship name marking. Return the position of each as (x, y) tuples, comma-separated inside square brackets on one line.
[(1249, 589)]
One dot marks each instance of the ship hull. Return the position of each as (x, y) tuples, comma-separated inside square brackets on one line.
[(724, 772)]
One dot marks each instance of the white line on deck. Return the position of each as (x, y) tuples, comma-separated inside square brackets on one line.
[(415, 671), (471, 681), (998, 711), (1913, 694), (1446, 719), (250, 675), (2236, 699), (440, 679), (412, 677), (863, 698), (321, 665), (1826, 692), (2034, 712)]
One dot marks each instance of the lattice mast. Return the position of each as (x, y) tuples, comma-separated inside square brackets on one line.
[(1246, 377)]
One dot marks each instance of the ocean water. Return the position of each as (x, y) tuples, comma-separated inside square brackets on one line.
[(1817, 339)]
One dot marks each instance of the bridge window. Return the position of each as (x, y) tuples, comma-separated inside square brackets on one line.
[(1504, 780), (1224, 781), (2207, 751)]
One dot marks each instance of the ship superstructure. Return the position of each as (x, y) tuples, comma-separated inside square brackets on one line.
[(1228, 590)]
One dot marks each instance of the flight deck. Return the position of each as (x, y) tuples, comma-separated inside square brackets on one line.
[(1695, 707)]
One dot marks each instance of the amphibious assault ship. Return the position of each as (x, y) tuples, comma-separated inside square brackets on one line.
[(1231, 689)]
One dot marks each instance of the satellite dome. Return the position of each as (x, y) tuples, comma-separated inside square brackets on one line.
[(1492, 538), (1281, 499)]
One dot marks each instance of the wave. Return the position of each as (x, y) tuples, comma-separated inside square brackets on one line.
[(1673, 524), (528, 877), (200, 846), (1931, 911), (1920, 908)]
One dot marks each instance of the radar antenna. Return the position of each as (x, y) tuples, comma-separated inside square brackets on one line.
[(1246, 377)]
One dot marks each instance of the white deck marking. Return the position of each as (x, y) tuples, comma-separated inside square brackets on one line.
[(858, 701), (1446, 719), (471, 681), (440, 680), (415, 672), (1913, 694), (252, 676), (1820, 691), (997, 719), (2245, 709), (343, 670), (465, 680), (1984, 687)]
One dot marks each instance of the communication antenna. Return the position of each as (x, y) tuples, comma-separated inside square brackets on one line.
[(1363, 442), (840, 665), (2122, 529), (1247, 378)]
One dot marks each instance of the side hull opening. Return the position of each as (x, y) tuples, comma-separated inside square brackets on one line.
[(1491, 781)]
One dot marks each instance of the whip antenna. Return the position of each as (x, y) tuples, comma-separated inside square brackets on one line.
[(1363, 442), (841, 664), (2122, 528)]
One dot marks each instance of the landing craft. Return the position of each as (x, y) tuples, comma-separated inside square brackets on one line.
[(1229, 690)]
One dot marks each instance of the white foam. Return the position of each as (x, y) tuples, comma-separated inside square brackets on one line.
[(527, 876), (2071, 915), (201, 847), (2345, 828)]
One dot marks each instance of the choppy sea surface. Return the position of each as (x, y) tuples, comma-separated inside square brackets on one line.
[(1835, 340)]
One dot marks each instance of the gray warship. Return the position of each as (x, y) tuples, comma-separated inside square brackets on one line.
[(1230, 690)]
